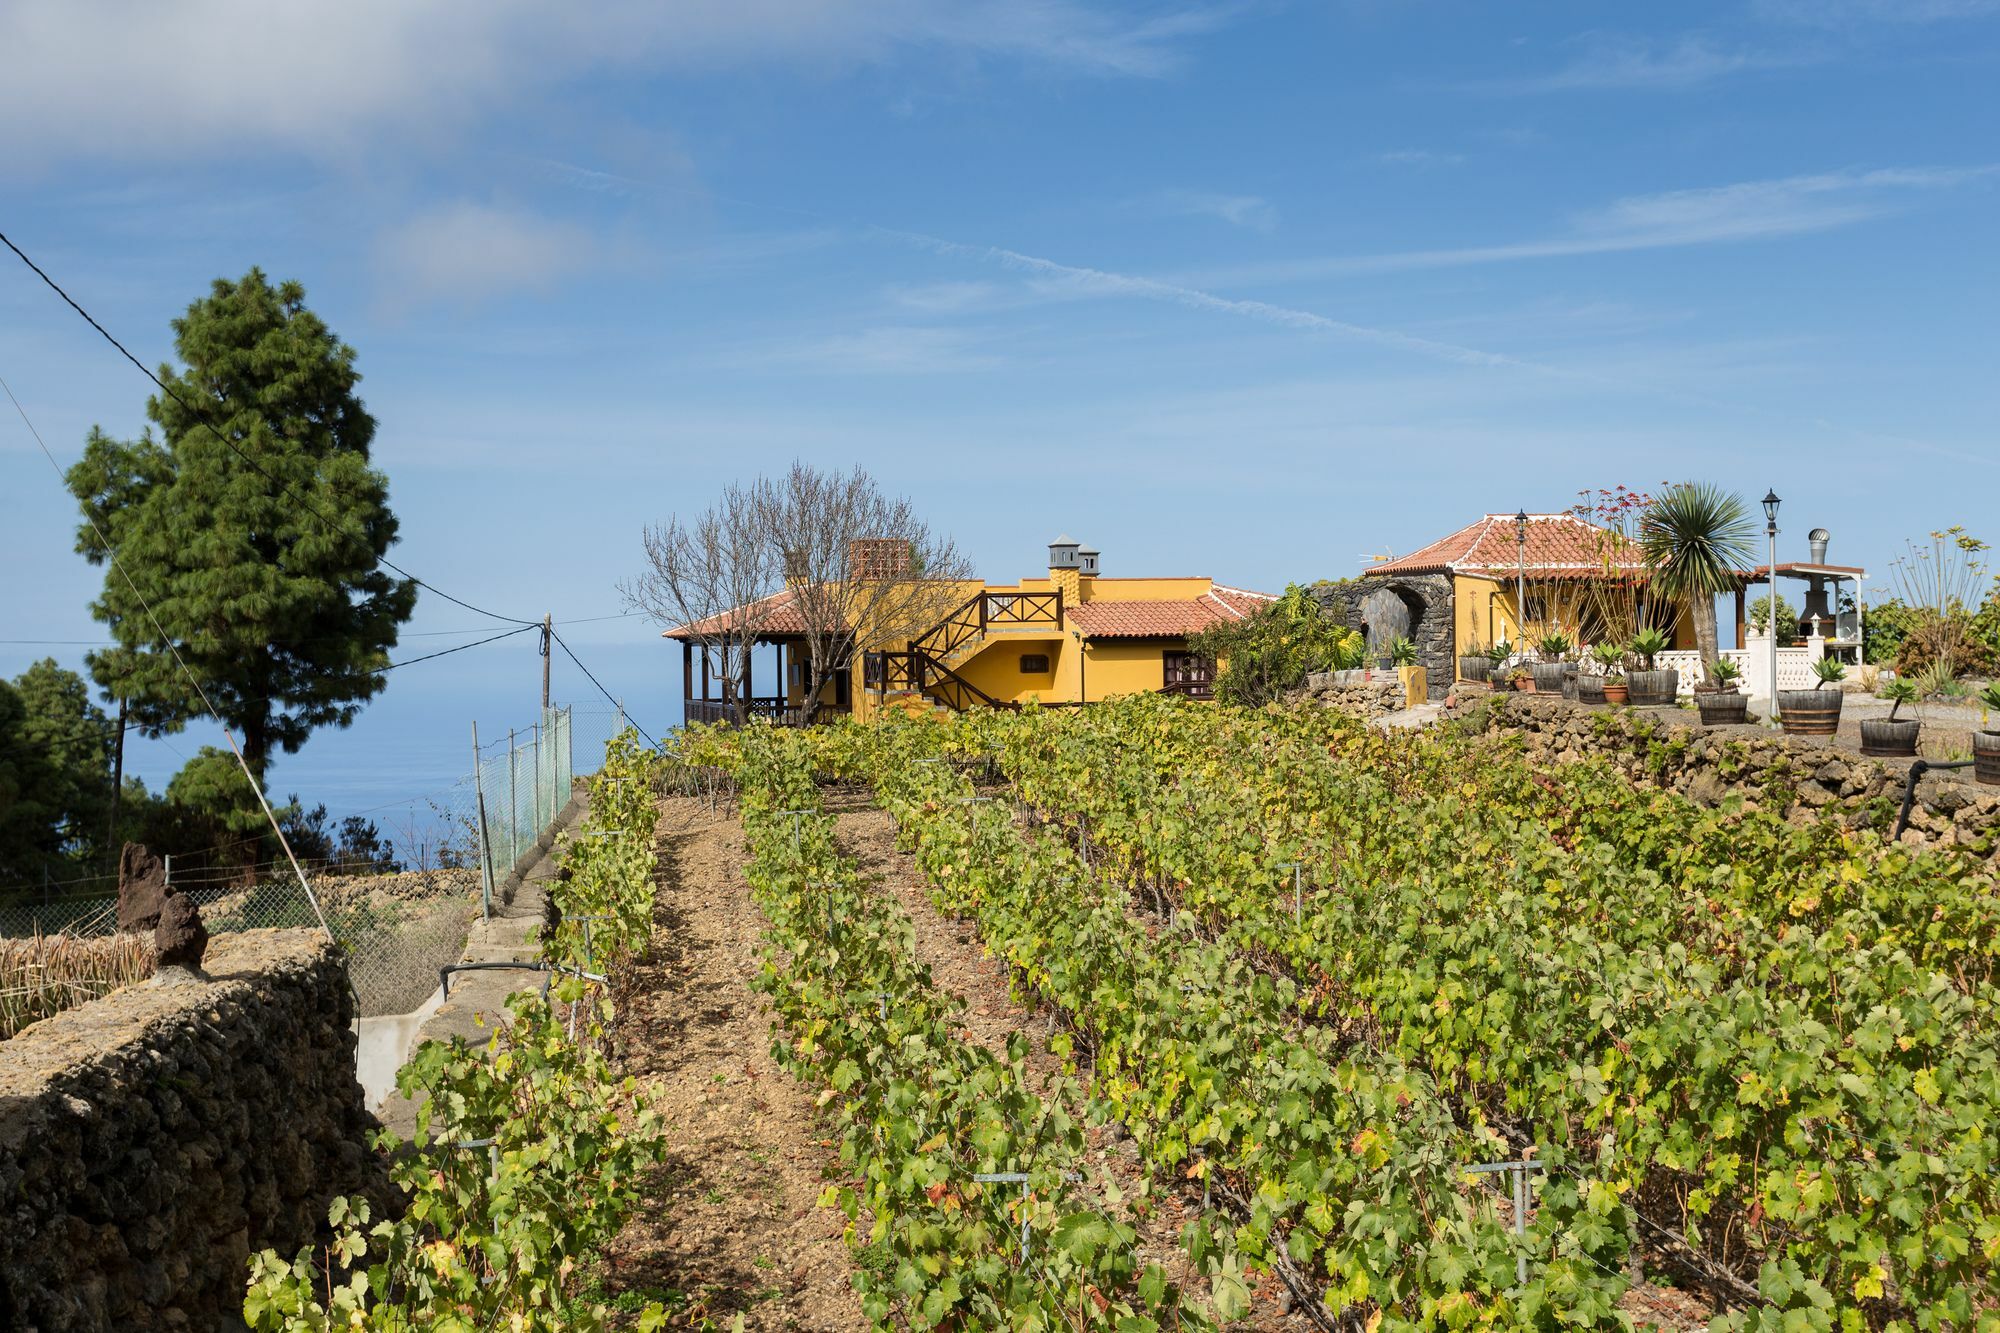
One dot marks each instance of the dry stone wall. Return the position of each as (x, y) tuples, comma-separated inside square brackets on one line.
[(1372, 694), (152, 1140), (1797, 777)]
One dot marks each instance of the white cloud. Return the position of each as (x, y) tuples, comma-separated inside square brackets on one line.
[(1747, 210), (1238, 210), (1609, 62), (468, 253), (129, 78), (885, 350)]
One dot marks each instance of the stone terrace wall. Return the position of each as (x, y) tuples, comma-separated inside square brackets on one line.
[(1797, 777), (1372, 694), (151, 1140)]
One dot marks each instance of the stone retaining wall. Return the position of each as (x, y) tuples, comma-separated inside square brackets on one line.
[(151, 1140), (1428, 598), (1796, 776), (1372, 694)]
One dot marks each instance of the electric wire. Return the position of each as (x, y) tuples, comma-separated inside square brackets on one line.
[(201, 419), (601, 690), (202, 694)]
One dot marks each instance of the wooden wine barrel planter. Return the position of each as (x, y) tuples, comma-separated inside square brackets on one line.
[(1653, 689), (1475, 668), (1810, 712), (1986, 757), (1590, 689), (1889, 738), (1548, 677), (1722, 708)]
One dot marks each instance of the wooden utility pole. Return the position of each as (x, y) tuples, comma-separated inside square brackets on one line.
[(548, 628)]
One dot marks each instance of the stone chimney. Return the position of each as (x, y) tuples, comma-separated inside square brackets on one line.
[(1064, 571)]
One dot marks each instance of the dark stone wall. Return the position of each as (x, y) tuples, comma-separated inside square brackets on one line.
[(1428, 599), (152, 1140)]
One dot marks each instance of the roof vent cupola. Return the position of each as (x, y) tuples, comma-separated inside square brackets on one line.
[(1086, 561), (1063, 553)]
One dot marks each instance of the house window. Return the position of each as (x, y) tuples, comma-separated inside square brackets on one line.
[(1187, 673), (1034, 664)]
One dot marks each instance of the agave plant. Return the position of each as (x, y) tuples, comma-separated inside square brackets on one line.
[(1500, 652), (1830, 670), (1553, 645), (1649, 643), (1898, 692), (1696, 536), (1402, 652), (1725, 670)]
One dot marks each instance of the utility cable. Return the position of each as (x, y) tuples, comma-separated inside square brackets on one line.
[(601, 690), (201, 419), (200, 693)]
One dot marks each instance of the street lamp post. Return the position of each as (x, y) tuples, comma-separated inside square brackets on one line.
[(1771, 622), (1520, 579)]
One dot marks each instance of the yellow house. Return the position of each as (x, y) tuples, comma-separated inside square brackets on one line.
[(1071, 637), (1506, 575)]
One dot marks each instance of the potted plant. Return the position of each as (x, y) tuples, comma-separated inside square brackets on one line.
[(1523, 679), (1550, 671), (1986, 744), (1892, 737), (1589, 684), (1496, 656), (1722, 704), (1473, 662), (1611, 658), (1650, 688), (1814, 712)]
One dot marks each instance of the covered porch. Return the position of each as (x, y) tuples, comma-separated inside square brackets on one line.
[(709, 694)]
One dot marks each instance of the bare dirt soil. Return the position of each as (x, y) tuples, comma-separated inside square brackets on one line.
[(731, 1224)]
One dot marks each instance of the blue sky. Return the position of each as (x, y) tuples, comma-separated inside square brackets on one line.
[(1247, 290)]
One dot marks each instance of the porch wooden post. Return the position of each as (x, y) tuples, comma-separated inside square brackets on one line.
[(704, 672), (1741, 641), (687, 672)]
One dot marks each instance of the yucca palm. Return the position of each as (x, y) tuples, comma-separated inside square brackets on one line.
[(1696, 537)]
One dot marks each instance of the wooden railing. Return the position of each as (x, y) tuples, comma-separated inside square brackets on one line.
[(917, 672), (724, 711), (984, 611)]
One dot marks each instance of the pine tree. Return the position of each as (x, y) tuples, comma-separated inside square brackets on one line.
[(262, 573)]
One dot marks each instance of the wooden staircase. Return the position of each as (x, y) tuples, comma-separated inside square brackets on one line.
[(927, 665)]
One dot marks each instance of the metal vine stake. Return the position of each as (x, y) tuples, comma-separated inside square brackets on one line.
[(1518, 1172)]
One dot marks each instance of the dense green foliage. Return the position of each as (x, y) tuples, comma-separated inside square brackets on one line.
[(923, 1112), (262, 574), (55, 773), (528, 1153), (1271, 650), (1340, 1158), (1773, 1043)]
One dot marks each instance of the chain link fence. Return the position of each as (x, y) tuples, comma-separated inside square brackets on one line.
[(452, 852)]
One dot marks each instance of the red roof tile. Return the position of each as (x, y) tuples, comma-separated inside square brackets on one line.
[(1172, 619), (1557, 544), (775, 614)]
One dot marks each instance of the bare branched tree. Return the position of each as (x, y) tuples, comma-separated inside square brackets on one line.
[(864, 569), (716, 575)]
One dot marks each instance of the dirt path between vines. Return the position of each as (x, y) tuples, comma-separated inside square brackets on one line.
[(960, 965), (731, 1220)]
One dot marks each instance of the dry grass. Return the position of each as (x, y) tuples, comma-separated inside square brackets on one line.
[(46, 974)]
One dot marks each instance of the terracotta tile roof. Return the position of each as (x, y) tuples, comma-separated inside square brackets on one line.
[(1172, 619), (1557, 544), (775, 614)]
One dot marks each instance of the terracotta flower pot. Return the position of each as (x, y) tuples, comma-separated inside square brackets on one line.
[(1615, 692)]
